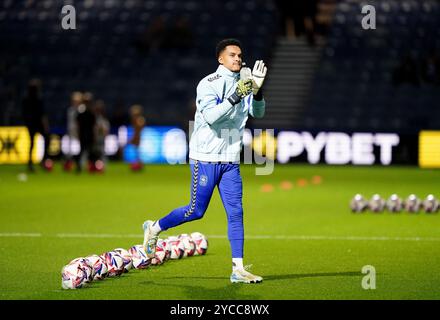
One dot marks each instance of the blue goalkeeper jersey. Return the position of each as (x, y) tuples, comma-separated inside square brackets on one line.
[(219, 125)]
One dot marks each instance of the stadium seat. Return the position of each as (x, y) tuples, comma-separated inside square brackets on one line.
[(360, 65)]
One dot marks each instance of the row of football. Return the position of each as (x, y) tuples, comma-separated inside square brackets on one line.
[(81, 271), (395, 204)]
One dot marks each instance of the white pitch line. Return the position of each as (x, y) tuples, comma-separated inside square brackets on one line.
[(261, 237), (348, 238), (250, 237), (97, 235), (20, 235)]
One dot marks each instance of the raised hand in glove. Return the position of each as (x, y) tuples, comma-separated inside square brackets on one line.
[(244, 88), (258, 74)]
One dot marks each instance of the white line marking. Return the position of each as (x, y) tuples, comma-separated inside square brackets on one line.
[(249, 237), (18, 234), (97, 235), (344, 238)]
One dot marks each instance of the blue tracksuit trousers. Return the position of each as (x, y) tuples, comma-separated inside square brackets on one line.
[(205, 177)]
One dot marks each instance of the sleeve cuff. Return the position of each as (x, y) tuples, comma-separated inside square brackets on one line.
[(259, 95)]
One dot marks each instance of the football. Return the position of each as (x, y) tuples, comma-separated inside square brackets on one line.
[(189, 245), (430, 204), (126, 257), (159, 256), (376, 203), (358, 203), (167, 249), (412, 204), (177, 248), (139, 257), (115, 263), (73, 276), (394, 203), (98, 266), (201, 243), (85, 265)]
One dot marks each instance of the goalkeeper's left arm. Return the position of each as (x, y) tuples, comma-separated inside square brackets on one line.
[(258, 106)]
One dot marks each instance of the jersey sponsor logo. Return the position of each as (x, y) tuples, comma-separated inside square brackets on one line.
[(217, 76)]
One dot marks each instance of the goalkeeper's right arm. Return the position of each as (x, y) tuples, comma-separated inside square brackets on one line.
[(212, 111)]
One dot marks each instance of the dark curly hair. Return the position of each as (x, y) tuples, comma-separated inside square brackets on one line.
[(224, 43)]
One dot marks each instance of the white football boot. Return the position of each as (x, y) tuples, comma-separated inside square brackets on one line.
[(150, 239), (243, 276)]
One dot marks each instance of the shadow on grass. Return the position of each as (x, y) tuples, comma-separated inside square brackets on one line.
[(229, 292), (284, 276), (312, 275), (233, 291)]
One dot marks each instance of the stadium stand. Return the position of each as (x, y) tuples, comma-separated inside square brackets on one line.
[(125, 52), (112, 54), (377, 79)]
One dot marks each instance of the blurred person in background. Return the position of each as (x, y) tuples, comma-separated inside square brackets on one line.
[(36, 121), (287, 18), (310, 9), (153, 38), (224, 101), (137, 121), (86, 121), (76, 99), (431, 68), (102, 129), (407, 71), (179, 35), (298, 17)]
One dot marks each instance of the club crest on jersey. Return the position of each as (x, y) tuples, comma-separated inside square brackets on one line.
[(217, 76), (203, 180)]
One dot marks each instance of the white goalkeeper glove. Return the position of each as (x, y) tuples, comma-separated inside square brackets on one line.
[(258, 75)]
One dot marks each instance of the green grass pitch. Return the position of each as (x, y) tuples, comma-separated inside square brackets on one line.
[(303, 240)]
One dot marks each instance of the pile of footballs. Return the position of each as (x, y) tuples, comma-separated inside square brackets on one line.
[(81, 271), (394, 204)]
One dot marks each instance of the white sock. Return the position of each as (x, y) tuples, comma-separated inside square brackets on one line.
[(237, 263), (155, 227)]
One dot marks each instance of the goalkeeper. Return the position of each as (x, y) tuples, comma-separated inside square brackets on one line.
[(224, 102)]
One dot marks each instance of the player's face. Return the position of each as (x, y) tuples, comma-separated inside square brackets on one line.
[(231, 58), (76, 100)]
